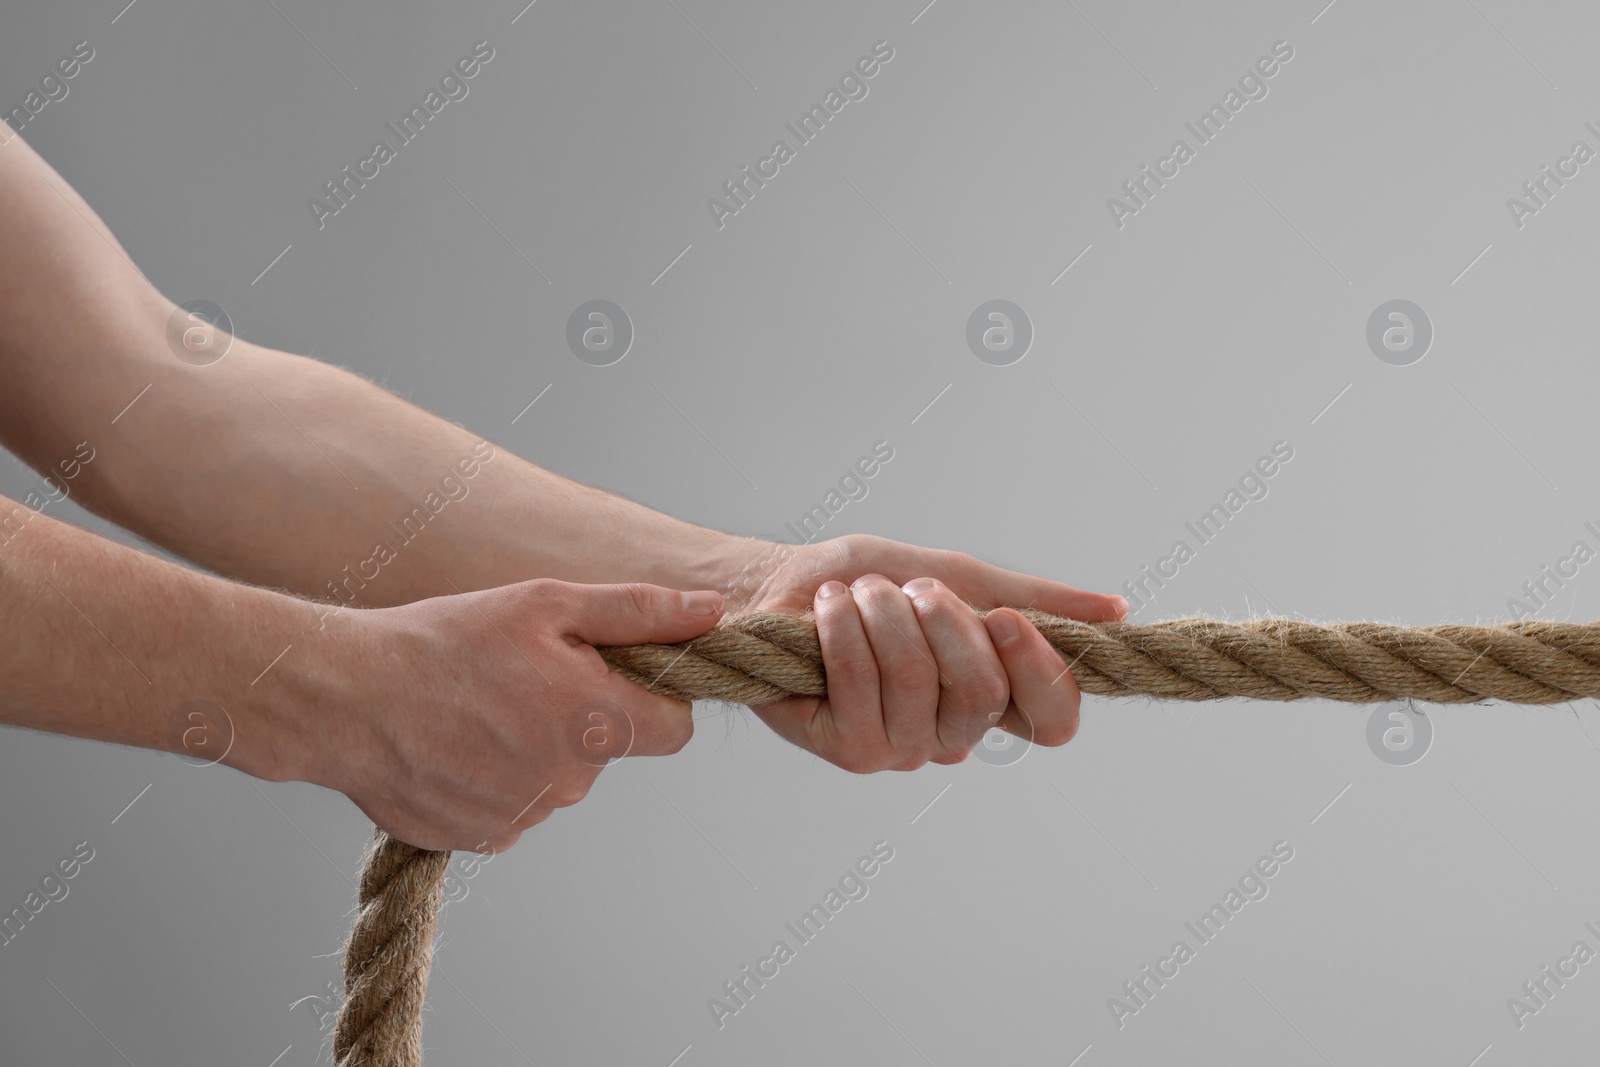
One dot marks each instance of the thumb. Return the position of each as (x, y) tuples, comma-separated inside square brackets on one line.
[(637, 614)]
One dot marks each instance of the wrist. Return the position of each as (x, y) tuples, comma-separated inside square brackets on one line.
[(750, 564), (698, 558), (298, 718)]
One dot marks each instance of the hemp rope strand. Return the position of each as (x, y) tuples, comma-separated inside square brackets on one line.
[(760, 657)]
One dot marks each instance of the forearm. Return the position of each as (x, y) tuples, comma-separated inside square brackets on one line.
[(101, 641), (285, 472), (280, 470)]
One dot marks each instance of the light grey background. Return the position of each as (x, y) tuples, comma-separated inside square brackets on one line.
[(1226, 315)]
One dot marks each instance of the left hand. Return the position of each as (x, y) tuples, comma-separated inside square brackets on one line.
[(914, 675)]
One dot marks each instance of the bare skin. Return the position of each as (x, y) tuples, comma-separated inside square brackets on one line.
[(450, 686)]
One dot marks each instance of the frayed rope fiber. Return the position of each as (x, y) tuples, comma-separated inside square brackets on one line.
[(760, 657)]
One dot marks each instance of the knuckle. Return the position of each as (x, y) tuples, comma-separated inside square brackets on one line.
[(912, 761), (531, 818), (853, 762), (851, 549), (983, 692), (850, 545), (507, 841), (551, 593), (641, 597), (861, 760), (567, 793), (937, 599)]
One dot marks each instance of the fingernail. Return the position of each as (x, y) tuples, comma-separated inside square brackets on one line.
[(1003, 627), (1123, 601), (918, 586), (702, 602), (830, 589)]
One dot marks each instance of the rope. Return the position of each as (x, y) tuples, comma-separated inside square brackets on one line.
[(758, 658), (387, 958)]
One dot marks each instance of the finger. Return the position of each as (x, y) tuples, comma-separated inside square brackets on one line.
[(991, 586), (628, 720), (400, 824), (572, 783), (534, 811), (542, 799), (846, 728), (791, 720), (634, 613), (977, 690), (852, 726), (1044, 694), (909, 681), (532, 816), (501, 842), (451, 824)]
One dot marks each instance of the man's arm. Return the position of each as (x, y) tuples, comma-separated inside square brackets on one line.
[(456, 722), (273, 468), (281, 471)]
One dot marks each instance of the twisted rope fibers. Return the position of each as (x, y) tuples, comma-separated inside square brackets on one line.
[(760, 657)]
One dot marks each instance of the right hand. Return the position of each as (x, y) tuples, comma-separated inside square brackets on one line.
[(467, 719)]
